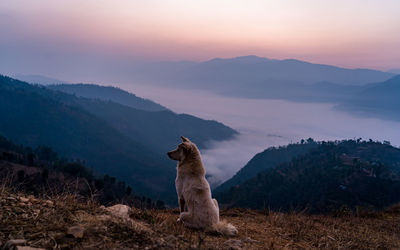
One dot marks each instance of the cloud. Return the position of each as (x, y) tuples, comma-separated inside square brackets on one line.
[(223, 159), (263, 123)]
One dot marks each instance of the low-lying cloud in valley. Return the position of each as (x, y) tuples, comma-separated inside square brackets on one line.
[(263, 123)]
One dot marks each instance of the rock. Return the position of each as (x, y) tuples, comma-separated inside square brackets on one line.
[(76, 231), (28, 248), (250, 240), (49, 203), (233, 244), (23, 199), (33, 199), (120, 211), (11, 244), (103, 217)]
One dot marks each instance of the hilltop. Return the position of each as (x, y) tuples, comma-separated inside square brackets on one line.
[(65, 223), (108, 93), (110, 137), (50, 202), (330, 177)]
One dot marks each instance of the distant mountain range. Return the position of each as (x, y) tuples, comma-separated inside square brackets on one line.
[(119, 140), (108, 93), (38, 79), (243, 72), (290, 79), (330, 177), (394, 71), (381, 100)]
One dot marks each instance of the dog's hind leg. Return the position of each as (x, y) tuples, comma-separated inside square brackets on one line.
[(187, 219), (181, 205), (216, 204)]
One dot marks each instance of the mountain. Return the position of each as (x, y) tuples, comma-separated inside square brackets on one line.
[(157, 130), (334, 176), (267, 159), (381, 100), (394, 71), (243, 72), (34, 116), (322, 92), (107, 93), (258, 77), (41, 171), (38, 79)]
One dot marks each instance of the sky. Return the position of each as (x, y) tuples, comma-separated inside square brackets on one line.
[(63, 37)]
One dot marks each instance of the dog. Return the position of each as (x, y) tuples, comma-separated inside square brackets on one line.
[(194, 192)]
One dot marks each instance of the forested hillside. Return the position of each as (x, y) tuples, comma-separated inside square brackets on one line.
[(269, 158), (334, 176), (381, 100), (85, 129), (108, 93), (41, 171)]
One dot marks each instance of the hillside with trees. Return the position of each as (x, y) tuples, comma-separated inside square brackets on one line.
[(336, 175), (41, 171), (381, 100), (108, 93), (267, 159), (86, 129)]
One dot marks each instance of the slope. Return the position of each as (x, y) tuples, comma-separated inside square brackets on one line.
[(335, 176), (35, 116), (267, 159), (108, 93), (380, 100)]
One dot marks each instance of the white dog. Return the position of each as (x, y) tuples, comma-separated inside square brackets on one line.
[(194, 192)]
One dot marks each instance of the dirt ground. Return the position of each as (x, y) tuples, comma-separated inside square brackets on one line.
[(65, 223)]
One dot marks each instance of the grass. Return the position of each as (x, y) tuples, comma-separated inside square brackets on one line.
[(44, 222)]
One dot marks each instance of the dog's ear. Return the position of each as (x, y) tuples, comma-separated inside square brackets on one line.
[(184, 139)]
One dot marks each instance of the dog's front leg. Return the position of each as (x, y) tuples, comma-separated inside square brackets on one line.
[(181, 204)]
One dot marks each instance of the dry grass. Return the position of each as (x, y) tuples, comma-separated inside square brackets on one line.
[(44, 223)]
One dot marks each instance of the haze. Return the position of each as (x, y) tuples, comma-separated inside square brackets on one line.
[(96, 40), (264, 123)]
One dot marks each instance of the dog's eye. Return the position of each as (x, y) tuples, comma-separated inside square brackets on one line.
[(183, 148)]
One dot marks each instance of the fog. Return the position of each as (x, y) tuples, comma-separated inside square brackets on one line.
[(263, 123)]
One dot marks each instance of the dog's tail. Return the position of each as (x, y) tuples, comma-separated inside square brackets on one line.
[(225, 228)]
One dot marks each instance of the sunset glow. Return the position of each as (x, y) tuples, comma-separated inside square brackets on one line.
[(351, 33)]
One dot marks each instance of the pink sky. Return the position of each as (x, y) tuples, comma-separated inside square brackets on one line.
[(349, 33)]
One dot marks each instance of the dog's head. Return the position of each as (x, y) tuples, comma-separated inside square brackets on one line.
[(182, 151)]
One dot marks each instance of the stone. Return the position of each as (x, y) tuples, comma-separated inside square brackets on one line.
[(11, 244), (49, 203), (120, 211), (233, 244), (76, 231), (28, 248), (250, 240), (23, 199), (103, 217)]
